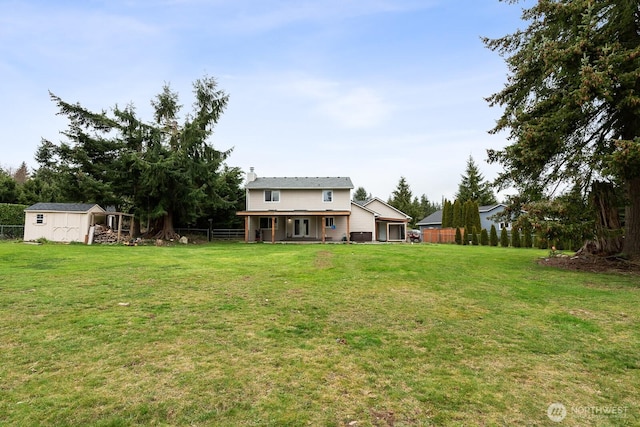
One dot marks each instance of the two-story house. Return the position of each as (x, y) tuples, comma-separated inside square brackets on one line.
[(315, 209)]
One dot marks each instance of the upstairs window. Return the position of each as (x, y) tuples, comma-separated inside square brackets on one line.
[(327, 196), (272, 195)]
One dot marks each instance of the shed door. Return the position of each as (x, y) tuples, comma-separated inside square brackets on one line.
[(66, 227)]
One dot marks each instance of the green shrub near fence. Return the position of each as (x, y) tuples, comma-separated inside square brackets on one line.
[(12, 214)]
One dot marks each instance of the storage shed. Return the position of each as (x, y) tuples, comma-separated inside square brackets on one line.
[(60, 222)]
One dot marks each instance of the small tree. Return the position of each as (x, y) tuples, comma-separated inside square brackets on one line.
[(504, 238), (447, 214), (493, 236), (360, 195), (458, 219), (528, 238), (473, 186), (484, 237), (458, 236), (474, 236), (515, 238)]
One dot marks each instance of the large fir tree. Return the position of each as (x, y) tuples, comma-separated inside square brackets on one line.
[(572, 101), (165, 172)]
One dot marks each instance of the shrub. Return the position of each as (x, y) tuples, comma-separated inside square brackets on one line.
[(493, 236), (458, 236), (484, 237), (504, 238), (541, 243), (11, 214), (515, 238), (527, 243), (474, 236)]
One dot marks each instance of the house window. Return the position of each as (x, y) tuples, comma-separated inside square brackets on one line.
[(271, 195), (505, 225), (39, 218), (327, 196), (329, 222), (265, 222)]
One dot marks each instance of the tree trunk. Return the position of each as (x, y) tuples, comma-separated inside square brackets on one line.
[(135, 227), (162, 228), (631, 246), (608, 239)]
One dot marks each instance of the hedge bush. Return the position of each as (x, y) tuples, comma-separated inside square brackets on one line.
[(504, 238), (493, 236), (484, 237), (12, 214), (515, 238)]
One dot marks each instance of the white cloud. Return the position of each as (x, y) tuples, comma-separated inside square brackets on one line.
[(345, 105)]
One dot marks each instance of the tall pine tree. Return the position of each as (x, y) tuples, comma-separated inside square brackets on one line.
[(571, 104), (474, 187)]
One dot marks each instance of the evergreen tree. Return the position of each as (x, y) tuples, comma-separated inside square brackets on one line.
[(360, 195), (504, 238), (451, 214), (570, 104), (9, 191), (458, 217), (515, 238), (493, 236), (427, 207), (167, 171), (473, 186), (22, 174), (484, 237), (474, 236), (402, 197), (528, 238), (447, 214), (458, 237), (470, 212)]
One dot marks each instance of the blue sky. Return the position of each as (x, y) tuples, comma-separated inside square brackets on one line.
[(370, 89)]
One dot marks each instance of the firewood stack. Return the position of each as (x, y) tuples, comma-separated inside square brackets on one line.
[(104, 234)]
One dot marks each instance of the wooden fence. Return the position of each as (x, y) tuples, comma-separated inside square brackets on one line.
[(440, 235)]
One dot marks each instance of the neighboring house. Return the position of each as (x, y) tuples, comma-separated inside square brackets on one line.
[(315, 209), (486, 213), (65, 222)]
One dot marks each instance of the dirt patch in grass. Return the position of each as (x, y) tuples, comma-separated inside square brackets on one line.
[(323, 260), (594, 264)]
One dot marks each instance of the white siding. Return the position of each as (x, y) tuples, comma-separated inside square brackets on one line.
[(58, 226), (310, 200), (384, 210), (362, 220)]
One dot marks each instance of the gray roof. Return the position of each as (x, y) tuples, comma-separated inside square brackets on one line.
[(62, 207), (301, 183), (434, 218), (489, 208)]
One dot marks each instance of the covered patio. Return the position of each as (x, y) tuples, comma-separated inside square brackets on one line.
[(296, 226)]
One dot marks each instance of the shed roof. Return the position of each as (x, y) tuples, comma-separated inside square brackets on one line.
[(301, 183), (62, 207)]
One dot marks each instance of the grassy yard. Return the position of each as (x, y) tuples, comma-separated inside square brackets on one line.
[(360, 335)]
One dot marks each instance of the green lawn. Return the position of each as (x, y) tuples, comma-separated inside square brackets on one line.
[(259, 334)]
